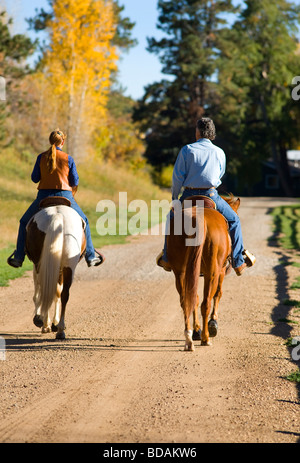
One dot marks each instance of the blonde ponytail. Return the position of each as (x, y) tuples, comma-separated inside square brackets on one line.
[(56, 138), (51, 158)]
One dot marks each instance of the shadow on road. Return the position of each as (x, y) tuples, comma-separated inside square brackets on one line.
[(37, 342)]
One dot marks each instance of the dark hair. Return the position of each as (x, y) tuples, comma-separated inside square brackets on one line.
[(206, 127)]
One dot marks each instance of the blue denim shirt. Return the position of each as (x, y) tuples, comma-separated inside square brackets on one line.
[(73, 175), (199, 165)]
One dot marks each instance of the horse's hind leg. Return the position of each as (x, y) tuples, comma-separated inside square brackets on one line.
[(37, 319), (196, 330), (67, 281), (213, 322), (57, 309), (188, 332), (57, 312), (210, 287)]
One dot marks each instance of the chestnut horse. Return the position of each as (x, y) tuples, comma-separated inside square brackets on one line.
[(55, 243), (210, 258)]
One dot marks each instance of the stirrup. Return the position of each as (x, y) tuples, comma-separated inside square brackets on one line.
[(249, 258), (101, 256), (97, 260), (13, 262)]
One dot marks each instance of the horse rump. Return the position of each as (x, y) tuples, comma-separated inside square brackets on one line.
[(50, 263)]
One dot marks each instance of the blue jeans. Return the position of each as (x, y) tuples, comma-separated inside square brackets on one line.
[(234, 224), (34, 208)]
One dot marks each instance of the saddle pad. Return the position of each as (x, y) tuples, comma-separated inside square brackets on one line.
[(208, 202), (54, 201)]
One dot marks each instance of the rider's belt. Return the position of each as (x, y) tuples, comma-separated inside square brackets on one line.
[(190, 188)]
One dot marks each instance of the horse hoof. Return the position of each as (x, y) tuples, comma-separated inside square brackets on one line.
[(189, 348), (46, 329), (61, 336), (54, 328), (38, 321), (212, 328), (197, 335), (205, 343)]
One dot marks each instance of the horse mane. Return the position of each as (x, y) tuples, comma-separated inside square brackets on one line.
[(229, 198), (232, 200)]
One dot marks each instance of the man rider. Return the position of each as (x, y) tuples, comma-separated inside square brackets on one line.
[(198, 169)]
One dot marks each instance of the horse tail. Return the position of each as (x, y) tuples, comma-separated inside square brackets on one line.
[(191, 280), (50, 262)]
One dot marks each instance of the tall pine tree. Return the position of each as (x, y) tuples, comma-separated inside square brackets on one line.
[(256, 111), (189, 55)]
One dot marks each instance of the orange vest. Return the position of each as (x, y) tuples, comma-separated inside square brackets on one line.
[(59, 179)]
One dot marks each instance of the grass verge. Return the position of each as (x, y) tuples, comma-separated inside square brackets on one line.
[(294, 376), (286, 221), (8, 273)]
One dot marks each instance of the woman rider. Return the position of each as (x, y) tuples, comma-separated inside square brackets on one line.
[(56, 173)]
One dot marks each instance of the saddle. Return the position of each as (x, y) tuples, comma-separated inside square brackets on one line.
[(208, 202), (54, 201), (57, 201)]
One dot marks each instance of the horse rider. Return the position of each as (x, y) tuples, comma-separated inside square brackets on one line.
[(55, 172), (199, 168)]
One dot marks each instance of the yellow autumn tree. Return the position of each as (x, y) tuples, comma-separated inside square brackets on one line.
[(78, 65)]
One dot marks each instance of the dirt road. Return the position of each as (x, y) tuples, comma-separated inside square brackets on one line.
[(122, 375)]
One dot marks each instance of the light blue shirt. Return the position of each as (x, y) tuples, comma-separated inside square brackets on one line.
[(198, 165)]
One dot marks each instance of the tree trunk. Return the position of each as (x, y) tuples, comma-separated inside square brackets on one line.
[(71, 108), (78, 125)]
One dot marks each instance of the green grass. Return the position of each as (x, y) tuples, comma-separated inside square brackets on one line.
[(8, 273), (286, 221), (291, 302), (294, 376), (287, 320), (291, 342), (296, 284)]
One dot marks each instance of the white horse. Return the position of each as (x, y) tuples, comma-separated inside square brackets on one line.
[(55, 243)]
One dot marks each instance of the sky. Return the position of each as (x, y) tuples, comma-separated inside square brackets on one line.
[(137, 67)]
